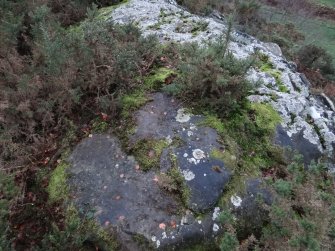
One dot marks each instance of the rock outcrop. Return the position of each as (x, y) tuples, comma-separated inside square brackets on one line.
[(148, 204), (304, 115), (174, 203)]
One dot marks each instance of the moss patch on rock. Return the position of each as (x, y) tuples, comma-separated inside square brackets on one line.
[(179, 181), (265, 65), (158, 77), (148, 152), (132, 101), (229, 159)]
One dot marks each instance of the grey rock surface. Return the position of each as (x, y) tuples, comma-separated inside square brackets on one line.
[(164, 118), (105, 180)]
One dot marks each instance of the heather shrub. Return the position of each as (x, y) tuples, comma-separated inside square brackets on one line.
[(302, 216), (211, 77), (70, 77), (314, 57)]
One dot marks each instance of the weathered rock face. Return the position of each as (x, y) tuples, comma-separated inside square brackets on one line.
[(163, 118), (106, 180), (303, 114)]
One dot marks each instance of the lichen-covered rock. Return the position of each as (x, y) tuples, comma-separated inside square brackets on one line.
[(190, 147), (103, 179), (288, 92), (147, 204)]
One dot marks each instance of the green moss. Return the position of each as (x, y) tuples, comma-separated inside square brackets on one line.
[(283, 88), (132, 102), (99, 126), (214, 122), (226, 156), (266, 66), (156, 80), (179, 181), (148, 153), (137, 98), (246, 137), (266, 117), (58, 188)]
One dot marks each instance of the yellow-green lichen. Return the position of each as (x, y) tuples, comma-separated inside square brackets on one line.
[(58, 188)]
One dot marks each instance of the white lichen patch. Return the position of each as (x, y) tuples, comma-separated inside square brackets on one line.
[(182, 116), (314, 113), (198, 154), (193, 127), (158, 243), (236, 200), (216, 213), (168, 139), (153, 238), (188, 175), (193, 161), (215, 227), (185, 155), (189, 133), (164, 236)]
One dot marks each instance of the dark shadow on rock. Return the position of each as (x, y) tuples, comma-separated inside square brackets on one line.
[(252, 213), (297, 143)]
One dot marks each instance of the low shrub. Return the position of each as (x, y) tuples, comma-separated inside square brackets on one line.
[(211, 77), (315, 57)]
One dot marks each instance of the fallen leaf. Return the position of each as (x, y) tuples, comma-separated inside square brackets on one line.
[(162, 226), (104, 116), (217, 169), (173, 224)]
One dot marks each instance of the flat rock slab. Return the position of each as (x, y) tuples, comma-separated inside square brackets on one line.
[(165, 119), (106, 181)]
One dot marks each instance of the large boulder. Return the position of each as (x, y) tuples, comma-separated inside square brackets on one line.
[(160, 208)]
